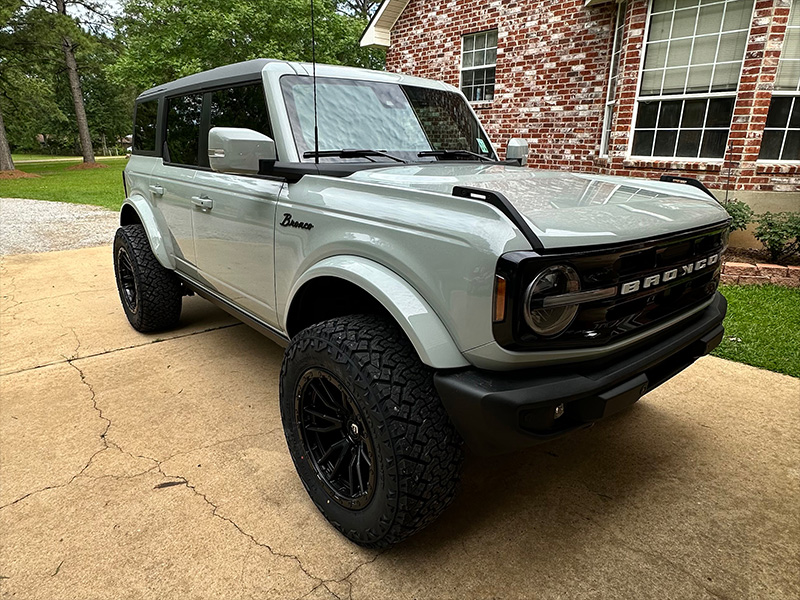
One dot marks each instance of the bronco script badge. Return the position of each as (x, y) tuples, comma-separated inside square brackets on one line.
[(289, 222)]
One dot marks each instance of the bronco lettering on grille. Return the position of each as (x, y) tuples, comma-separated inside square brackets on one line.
[(652, 281)]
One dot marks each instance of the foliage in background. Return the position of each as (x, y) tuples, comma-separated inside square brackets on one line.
[(741, 214), (762, 327), (201, 34), (780, 233), (151, 42)]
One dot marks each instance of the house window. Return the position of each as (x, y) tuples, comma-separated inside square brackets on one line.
[(613, 76), (692, 62), (781, 139), (478, 57)]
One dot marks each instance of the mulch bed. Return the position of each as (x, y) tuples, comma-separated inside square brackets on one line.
[(17, 174)]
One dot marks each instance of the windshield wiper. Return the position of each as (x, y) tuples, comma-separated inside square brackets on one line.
[(451, 154), (351, 153)]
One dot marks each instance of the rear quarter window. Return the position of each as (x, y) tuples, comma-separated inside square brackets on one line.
[(144, 126)]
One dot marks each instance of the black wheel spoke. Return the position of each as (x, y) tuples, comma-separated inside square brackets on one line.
[(335, 437)]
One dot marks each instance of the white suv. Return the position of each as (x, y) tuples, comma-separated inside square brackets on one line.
[(427, 292)]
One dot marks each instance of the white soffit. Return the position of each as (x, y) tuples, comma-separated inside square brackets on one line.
[(378, 32)]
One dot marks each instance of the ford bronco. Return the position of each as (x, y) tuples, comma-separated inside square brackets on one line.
[(428, 294)]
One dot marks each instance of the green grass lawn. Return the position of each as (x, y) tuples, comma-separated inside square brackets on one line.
[(18, 157), (762, 327), (100, 187)]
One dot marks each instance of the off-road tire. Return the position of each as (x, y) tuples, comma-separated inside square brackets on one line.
[(418, 451), (157, 296)]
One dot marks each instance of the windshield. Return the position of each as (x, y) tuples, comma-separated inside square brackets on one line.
[(401, 120)]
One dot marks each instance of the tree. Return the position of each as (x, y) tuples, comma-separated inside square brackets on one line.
[(363, 9), (201, 34), (6, 162)]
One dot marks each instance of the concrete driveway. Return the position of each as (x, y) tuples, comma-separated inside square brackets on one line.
[(138, 466)]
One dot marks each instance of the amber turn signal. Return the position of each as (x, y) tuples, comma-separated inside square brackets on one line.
[(499, 298)]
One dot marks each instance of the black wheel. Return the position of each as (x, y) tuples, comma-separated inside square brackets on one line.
[(151, 295), (368, 434)]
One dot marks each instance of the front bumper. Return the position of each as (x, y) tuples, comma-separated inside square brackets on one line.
[(498, 412)]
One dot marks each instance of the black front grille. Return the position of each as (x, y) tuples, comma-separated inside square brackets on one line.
[(605, 321)]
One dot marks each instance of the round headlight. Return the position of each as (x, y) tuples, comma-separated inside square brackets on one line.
[(552, 281)]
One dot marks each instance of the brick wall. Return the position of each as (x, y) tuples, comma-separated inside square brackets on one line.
[(553, 59)]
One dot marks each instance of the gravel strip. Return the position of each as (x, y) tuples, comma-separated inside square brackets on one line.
[(28, 226)]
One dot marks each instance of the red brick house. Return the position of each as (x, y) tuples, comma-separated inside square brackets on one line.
[(707, 88)]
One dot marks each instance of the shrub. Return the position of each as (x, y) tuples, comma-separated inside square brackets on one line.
[(780, 233), (741, 214)]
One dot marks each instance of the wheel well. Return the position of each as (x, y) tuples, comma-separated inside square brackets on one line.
[(326, 298), (129, 216)]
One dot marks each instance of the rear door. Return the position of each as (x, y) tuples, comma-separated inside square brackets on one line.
[(234, 229), (172, 183)]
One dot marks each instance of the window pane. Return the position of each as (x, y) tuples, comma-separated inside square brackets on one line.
[(779, 111), (665, 143), (656, 55), (674, 81), (714, 143), (662, 5), (684, 22), (643, 143), (489, 75), (731, 46), (467, 61), (771, 145), (480, 41), (243, 106), (688, 143), (491, 40), (144, 129), (710, 19), (679, 53), (659, 26), (791, 44), (720, 111), (469, 43), (648, 113), (467, 78), (651, 82), (726, 77), (491, 56), (788, 75), (737, 15), (791, 147), (705, 50), (795, 120), (670, 114), (694, 113), (685, 3), (699, 79), (183, 129)]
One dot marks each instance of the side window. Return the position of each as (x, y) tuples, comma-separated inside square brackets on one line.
[(242, 106), (183, 129), (144, 127)]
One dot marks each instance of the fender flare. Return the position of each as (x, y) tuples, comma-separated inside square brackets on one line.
[(161, 246), (421, 324)]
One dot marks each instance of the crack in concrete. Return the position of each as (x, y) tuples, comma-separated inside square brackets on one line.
[(103, 439), (345, 579), (113, 350), (215, 512)]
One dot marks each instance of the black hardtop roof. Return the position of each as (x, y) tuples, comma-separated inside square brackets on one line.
[(227, 75)]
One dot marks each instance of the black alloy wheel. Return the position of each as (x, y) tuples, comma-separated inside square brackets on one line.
[(335, 438), (127, 280)]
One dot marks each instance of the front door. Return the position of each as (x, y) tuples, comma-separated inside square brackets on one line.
[(234, 215)]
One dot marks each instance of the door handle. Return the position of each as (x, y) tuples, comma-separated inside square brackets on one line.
[(203, 202), (157, 190)]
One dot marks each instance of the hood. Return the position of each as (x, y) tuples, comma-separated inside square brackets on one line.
[(569, 209)]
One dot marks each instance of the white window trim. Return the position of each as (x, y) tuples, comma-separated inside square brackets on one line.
[(462, 68), (610, 101), (685, 96)]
